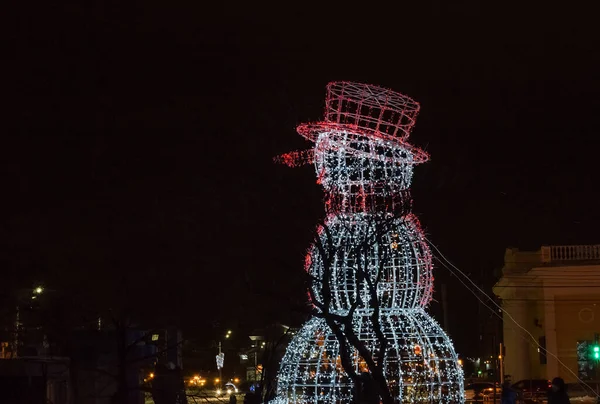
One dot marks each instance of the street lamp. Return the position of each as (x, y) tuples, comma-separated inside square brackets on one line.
[(21, 298), (221, 358)]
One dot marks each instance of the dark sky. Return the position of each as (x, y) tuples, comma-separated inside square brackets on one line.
[(138, 137)]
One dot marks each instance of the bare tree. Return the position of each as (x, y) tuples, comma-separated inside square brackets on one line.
[(352, 349), (122, 349), (341, 325), (275, 341)]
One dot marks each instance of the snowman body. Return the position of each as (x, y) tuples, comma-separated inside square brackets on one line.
[(369, 232)]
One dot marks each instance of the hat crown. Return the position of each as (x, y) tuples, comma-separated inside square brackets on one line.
[(371, 108)]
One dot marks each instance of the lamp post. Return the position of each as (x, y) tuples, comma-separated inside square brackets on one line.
[(20, 294), (221, 360)]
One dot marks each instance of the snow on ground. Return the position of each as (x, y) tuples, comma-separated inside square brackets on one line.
[(583, 399)]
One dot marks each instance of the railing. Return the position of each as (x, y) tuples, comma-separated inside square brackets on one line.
[(570, 253)]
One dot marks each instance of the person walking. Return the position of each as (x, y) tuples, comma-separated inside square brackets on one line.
[(508, 396), (558, 392)]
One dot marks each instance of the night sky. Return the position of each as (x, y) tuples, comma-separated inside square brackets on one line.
[(138, 138)]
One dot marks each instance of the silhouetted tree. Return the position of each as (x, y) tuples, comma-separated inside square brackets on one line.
[(372, 383)]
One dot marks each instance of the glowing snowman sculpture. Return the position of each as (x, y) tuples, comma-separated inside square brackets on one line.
[(365, 165)]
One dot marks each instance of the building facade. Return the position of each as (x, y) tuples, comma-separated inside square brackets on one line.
[(554, 295)]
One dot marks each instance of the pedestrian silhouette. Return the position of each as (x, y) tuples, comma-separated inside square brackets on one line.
[(509, 396), (558, 392), (365, 391)]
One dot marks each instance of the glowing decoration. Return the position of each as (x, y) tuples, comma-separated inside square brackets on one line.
[(417, 350), (364, 163), (406, 280), (220, 360)]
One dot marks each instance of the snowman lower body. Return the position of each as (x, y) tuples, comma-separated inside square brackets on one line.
[(420, 363)]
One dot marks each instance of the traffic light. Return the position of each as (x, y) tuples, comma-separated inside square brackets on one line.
[(596, 352)]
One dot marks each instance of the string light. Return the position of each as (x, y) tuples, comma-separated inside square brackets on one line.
[(406, 281), (363, 162)]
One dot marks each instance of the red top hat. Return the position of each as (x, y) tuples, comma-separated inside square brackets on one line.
[(367, 110), (364, 112)]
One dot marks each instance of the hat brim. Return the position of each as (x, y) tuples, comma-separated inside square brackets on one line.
[(311, 131)]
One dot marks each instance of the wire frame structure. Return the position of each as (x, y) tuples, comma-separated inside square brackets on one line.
[(363, 119), (373, 245), (369, 109), (363, 173), (420, 364), (364, 163)]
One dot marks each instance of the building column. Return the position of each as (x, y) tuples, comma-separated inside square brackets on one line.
[(550, 330), (517, 359)]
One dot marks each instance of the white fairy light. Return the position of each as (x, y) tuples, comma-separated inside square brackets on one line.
[(406, 280), (312, 368), (365, 165)]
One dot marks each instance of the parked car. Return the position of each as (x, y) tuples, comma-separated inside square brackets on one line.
[(532, 390), (229, 389), (481, 390)]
